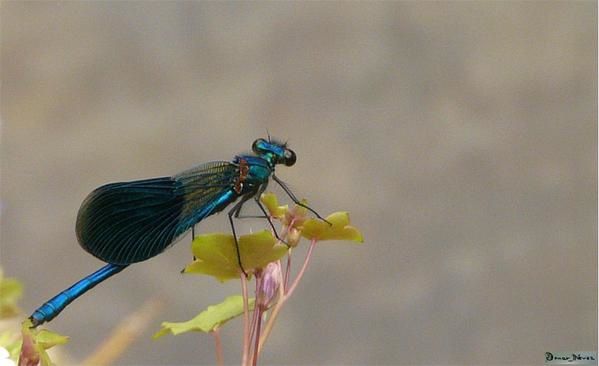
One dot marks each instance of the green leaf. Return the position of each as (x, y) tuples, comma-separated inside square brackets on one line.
[(216, 254), (37, 342), (11, 291), (214, 316), (45, 340), (48, 339), (271, 203), (11, 341), (339, 229)]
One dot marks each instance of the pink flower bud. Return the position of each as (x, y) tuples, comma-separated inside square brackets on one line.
[(269, 285)]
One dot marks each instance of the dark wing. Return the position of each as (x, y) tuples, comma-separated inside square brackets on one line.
[(129, 222), (207, 189)]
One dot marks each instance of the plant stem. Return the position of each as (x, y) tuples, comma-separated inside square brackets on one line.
[(246, 320), (255, 312), (301, 272), (287, 270), (284, 297), (270, 323), (257, 339), (124, 334), (218, 346)]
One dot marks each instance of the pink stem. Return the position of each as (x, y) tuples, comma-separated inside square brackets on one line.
[(288, 268), (219, 347), (273, 313), (302, 270), (287, 272), (255, 312), (246, 320), (257, 339)]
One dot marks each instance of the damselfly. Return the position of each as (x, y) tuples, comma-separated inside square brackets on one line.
[(129, 222)]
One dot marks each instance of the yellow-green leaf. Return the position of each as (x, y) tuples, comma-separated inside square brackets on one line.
[(47, 339), (37, 342), (214, 316), (272, 205), (11, 291), (216, 254), (339, 229), (11, 341)]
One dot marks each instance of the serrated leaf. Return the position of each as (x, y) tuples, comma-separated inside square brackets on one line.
[(214, 316), (339, 228), (216, 254)]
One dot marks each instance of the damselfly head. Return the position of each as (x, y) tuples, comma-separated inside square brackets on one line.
[(277, 150)]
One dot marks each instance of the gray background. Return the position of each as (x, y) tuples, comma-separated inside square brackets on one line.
[(460, 136)]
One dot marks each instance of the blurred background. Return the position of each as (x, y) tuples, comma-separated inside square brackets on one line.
[(461, 137)]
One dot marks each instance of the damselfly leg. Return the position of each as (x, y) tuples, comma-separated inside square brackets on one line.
[(296, 201)]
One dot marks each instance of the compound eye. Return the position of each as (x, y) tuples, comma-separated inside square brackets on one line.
[(256, 147), (289, 157)]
